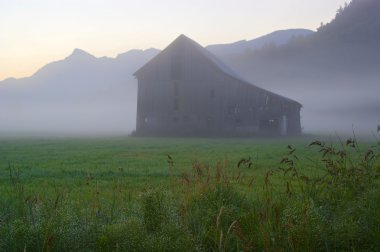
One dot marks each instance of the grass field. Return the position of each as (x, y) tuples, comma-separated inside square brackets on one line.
[(139, 161), (141, 194)]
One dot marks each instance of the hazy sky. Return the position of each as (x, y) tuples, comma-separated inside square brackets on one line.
[(35, 32)]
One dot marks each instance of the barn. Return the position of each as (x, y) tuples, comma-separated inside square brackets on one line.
[(186, 91)]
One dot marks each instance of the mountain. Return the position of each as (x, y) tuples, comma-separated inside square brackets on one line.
[(277, 38), (79, 94)]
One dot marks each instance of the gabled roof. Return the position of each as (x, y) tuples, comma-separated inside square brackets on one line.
[(185, 40), (211, 57)]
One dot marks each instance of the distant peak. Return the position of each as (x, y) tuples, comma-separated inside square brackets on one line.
[(79, 53)]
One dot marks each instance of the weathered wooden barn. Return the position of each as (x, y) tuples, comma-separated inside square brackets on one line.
[(186, 91)]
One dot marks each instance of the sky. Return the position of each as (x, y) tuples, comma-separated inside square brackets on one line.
[(36, 32)]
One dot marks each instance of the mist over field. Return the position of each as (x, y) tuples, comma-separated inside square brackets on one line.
[(333, 73), (79, 95)]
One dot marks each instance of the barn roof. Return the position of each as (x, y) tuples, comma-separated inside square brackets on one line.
[(218, 63), (213, 58)]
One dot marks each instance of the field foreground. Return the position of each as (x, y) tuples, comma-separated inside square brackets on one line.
[(139, 194)]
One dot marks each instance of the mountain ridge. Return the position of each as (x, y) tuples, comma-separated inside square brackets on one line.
[(280, 37)]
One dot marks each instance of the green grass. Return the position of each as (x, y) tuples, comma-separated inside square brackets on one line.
[(64, 159), (127, 194)]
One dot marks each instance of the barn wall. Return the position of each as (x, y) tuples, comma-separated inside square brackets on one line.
[(184, 93)]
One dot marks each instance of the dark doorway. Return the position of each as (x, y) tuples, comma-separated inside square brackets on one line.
[(269, 126)]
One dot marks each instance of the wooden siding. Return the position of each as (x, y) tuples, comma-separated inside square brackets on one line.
[(182, 92)]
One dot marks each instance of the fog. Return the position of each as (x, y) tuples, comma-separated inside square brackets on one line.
[(79, 95), (98, 97), (68, 120), (333, 101), (88, 100), (108, 112), (338, 105)]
